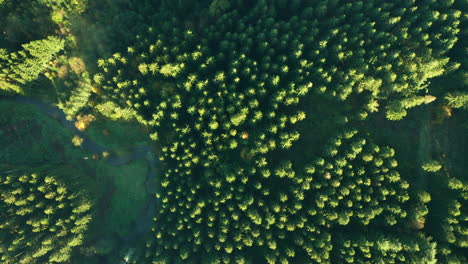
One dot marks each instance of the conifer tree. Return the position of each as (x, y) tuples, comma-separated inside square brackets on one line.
[(42, 220), (239, 90), (22, 67), (457, 99)]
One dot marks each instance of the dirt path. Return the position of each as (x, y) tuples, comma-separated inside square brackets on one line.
[(424, 146), (433, 141)]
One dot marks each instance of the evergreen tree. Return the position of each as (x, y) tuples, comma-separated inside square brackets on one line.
[(22, 67), (42, 220), (238, 90), (457, 99)]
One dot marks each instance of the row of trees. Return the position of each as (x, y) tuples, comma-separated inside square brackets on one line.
[(381, 247)]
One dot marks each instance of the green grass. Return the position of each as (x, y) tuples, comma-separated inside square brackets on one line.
[(28, 136), (128, 197), (121, 134), (122, 196)]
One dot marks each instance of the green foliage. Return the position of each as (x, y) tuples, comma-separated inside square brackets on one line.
[(29, 136), (128, 198), (381, 248), (357, 182), (449, 220), (24, 21), (169, 70), (22, 67), (42, 220), (230, 191), (217, 7), (117, 135), (432, 166), (71, 6), (111, 111), (78, 100), (233, 92), (457, 99)]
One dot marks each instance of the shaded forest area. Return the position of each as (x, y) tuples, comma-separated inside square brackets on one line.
[(300, 131)]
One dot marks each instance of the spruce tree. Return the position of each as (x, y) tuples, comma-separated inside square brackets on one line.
[(20, 68)]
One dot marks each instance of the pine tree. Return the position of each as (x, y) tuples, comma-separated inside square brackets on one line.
[(22, 67), (232, 112), (457, 99), (42, 208)]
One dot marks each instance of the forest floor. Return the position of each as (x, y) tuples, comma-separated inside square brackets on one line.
[(424, 146), (410, 137)]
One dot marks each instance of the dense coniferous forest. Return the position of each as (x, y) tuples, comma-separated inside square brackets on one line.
[(233, 131)]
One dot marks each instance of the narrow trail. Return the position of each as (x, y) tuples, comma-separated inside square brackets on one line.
[(424, 146), (139, 152)]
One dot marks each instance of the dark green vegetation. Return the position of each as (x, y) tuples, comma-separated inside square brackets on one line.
[(290, 131), (128, 182), (28, 136), (56, 203), (42, 221)]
